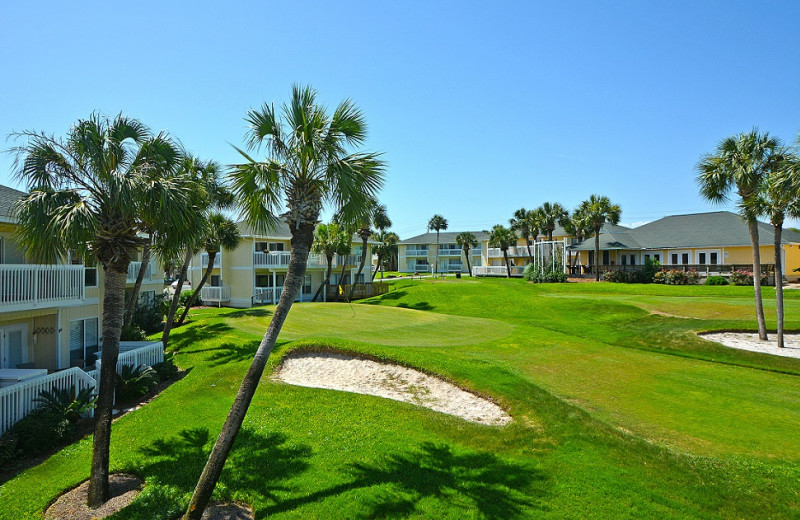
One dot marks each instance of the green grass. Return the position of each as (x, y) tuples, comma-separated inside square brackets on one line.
[(620, 410)]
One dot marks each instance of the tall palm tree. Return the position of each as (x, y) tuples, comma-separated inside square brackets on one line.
[(386, 249), (578, 226), (437, 223), (308, 163), (221, 233), (345, 247), (328, 240), (378, 218), (87, 192), (521, 224), (189, 239), (778, 198), (503, 238), (535, 223), (467, 241), (598, 211), (552, 213), (741, 162)]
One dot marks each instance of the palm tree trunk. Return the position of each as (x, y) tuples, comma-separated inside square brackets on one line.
[(113, 307), (779, 282), (469, 266), (360, 268), (176, 298), (436, 264), (752, 226), (130, 309), (341, 278), (327, 281), (212, 255), (597, 254), (528, 243), (380, 267), (301, 243), (508, 267)]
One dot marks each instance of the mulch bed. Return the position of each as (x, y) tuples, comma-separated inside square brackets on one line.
[(228, 511), (123, 489)]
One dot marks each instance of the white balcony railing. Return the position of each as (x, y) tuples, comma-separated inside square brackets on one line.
[(134, 353), (450, 252), (416, 252), (280, 259), (204, 260), (496, 252), (496, 270), (133, 272), (30, 285), (216, 294)]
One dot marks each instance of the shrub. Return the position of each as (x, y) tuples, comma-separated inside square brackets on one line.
[(166, 370), (41, 431), (651, 267), (716, 280), (533, 275), (132, 332), (9, 451), (149, 315), (743, 277), (624, 277), (133, 382), (677, 277), (184, 299), (65, 403)]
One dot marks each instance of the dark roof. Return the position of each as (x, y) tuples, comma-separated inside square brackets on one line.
[(445, 237), (281, 232), (8, 196), (713, 229)]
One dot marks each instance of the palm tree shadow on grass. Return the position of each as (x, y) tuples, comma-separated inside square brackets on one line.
[(258, 465), (187, 336), (474, 480), (419, 306), (250, 313)]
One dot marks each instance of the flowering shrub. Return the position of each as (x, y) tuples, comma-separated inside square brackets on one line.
[(624, 277), (677, 277), (743, 277)]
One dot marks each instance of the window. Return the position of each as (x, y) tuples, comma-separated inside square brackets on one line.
[(714, 258), (216, 280), (633, 259), (674, 260), (83, 342), (685, 258), (1, 251), (606, 257), (146, 297), (701, 258), (265, 280), (269, 246), (624, 259), (657, 257), (307, 284)]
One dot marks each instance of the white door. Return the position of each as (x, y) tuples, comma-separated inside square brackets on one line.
[(13, 346)]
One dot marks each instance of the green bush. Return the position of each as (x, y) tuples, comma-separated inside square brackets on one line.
[(624, 277), (149, 316), (716, 280), (133, 382), (547, 276), (742, 277), (184, 299), (9, 452), (677, 277), (651, 267), (65, 403), (132, 332), (166, 370), (41, 431)]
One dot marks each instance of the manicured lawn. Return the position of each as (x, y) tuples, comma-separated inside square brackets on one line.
[(620, 412)]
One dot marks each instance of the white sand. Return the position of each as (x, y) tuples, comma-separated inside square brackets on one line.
[(364, 376), (750, 341)]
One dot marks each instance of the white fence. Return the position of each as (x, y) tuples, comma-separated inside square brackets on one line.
[(18, 400), (31, 285), (136, 353), (281, 259), (204, 260), (216, 294), (496, 270)]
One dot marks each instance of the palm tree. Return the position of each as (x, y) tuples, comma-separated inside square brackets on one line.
[(779, 197), (378, 218), (598, 211), (386, 249), (552, 213), (741, 162), (307, 164), (535, 223), (467, 241), (502, 237), (521, 224), (221, 233), (576, 225), (87, 194), (437, 223), (328, 240)]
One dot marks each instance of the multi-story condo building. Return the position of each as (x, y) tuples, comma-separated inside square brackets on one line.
[(419, 254), (254, 272), (51, 315)]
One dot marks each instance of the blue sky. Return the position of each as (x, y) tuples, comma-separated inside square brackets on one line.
[(479, 107)]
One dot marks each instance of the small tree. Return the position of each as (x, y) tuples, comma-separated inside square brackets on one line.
[(328, 240), (521, 224), (503, 238), (378, 218), (386, 249), (437, 223), (598, 211), (467, 241)]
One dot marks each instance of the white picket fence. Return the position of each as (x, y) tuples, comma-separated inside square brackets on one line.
[(18, 400)]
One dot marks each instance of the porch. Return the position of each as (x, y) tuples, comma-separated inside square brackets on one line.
[(27, 286)]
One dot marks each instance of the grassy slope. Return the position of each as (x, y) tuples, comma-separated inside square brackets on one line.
[(578, 366)]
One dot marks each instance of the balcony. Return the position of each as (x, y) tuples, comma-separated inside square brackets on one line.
[(280, 260), (218, 295), (25, 286), (416, 252), (204, 260), (496, 252), (450, 252), (133, 272)]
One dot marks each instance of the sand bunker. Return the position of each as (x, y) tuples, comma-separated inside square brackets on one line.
[(750, 341), (364, 376)]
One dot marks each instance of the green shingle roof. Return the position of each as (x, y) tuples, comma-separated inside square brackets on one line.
[(714, 229), (445, 237)]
